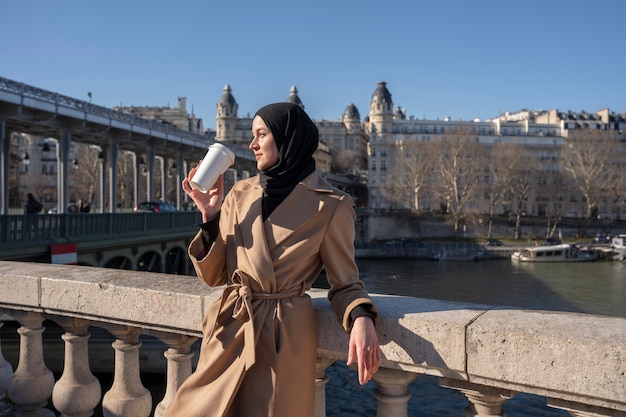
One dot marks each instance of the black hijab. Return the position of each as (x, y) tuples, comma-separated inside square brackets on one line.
[(296, 138)]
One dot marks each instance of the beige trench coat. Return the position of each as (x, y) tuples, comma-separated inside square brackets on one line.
[(259, 346)]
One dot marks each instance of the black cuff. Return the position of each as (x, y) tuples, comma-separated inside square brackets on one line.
[(360, 311), (210, 230)]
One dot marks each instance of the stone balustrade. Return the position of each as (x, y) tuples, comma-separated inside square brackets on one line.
[(488, 353)]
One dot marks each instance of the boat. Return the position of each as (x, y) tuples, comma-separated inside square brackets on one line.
[(553, 253), (618, 246)]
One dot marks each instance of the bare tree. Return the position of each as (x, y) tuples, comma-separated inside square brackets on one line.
[(346, 161), (514, 167), (457, 165), (125, 179), (494, 184), (554, 191), (87, 173), (589, 158), (617, 188), (410, 174)]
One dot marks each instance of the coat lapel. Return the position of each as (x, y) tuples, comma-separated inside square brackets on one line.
[(301, 206), (249, 227)]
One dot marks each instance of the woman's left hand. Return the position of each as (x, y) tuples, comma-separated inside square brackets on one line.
[(364, 345)]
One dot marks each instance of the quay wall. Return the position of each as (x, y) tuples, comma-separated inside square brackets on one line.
[(380, 225)]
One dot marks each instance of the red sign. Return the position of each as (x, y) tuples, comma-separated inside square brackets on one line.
[(64, 253)]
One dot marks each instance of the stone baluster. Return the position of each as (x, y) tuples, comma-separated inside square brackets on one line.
[(321, 364), (179, 367), (77, 392), (6, 373), (484, 401), (127, 396), (392, 393), (32, 382)]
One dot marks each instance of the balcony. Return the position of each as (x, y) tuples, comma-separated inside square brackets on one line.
[(488, 353)]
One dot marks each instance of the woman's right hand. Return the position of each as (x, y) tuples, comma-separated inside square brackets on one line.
[(208, 203)]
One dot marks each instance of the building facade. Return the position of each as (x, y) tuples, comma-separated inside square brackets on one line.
[(373, 150), (175, 116)]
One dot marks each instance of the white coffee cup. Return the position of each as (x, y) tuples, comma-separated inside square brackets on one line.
[(216, 161)]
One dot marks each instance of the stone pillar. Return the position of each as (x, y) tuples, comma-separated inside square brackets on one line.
[(484, 401), (321, 364), (179, 357), (32, 382), (6, 372), (77, 392), (392, 393), (127, 396)]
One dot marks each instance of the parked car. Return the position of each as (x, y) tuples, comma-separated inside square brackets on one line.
[(154, 207), (602, 239), (71, 208), (494, 242)]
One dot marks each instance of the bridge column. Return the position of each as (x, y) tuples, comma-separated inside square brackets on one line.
[(5, 147), (102, 158), (163, 178), (127, 396), (179, 367), (77, 392), (180, 173), (113, 150), (484, 401), (321, 364), (32, 382), (149, 174), (136, 176), (392, 393), (63, 151)]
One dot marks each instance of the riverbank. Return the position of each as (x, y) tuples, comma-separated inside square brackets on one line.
[(454, 250)]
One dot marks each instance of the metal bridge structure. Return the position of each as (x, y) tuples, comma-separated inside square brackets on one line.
[(32, 110)]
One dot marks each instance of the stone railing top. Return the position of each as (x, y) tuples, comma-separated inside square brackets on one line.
[(567, 356)]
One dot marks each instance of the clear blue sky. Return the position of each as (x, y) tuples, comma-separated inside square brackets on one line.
[(462, 59)]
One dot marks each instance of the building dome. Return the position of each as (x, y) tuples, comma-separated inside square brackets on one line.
[(227, 98), (293, 97), (381, 95), (351, 113)]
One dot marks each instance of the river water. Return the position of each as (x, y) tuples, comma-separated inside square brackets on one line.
[(586, 287)]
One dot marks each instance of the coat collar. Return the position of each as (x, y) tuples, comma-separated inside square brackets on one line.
[(301, 206)]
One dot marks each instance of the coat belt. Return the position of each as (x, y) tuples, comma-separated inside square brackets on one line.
[(243, 312)]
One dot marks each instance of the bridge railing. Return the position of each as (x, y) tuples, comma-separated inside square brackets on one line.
[(79, 226), (487, 353)]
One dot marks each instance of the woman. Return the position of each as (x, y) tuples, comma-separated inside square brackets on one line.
[(268, 242)]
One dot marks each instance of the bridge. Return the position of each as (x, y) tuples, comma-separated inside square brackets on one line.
[(28, 109)]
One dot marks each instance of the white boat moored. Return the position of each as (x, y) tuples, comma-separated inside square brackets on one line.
[(553, 253)]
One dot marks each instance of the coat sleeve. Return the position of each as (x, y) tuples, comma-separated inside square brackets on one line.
[(337, 251), (212, 267)]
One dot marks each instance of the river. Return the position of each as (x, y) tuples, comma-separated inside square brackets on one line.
[(586, 287)]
